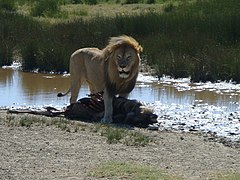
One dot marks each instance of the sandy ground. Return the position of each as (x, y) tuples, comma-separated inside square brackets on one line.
[(46, 152)]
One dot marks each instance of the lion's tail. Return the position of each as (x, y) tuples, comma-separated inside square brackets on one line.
[(63, 94)]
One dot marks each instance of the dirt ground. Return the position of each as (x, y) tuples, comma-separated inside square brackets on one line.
[(47, 152)]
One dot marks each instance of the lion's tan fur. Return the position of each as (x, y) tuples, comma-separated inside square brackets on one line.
[(101, 70)]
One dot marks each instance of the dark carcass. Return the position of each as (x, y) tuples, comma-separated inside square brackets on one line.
[(91, 109), (125, 111)]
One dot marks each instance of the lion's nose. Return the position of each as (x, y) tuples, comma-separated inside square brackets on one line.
[(122, 66)]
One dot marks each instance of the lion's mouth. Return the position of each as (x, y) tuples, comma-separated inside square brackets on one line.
[(124, 74)]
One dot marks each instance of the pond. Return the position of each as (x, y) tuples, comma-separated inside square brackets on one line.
[(19, 88), (179, 104)]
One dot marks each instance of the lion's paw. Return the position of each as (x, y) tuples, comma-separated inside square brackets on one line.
[(106, 120)]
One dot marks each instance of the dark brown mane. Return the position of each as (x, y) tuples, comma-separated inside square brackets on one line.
[(114, 88), (113, 83)]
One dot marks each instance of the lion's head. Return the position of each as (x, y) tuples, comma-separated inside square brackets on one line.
[(122, 54)]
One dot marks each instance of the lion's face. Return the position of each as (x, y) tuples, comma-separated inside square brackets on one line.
[(125, 58)]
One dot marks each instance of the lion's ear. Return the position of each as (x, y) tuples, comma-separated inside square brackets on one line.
[(139, 48)]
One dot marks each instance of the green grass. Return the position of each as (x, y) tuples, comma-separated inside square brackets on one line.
[(137, 139), (193, 38), (226, 176), (122, 135), (29, 121), (113, 134), (127, 170)]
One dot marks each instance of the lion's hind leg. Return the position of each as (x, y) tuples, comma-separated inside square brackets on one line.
[(92, 87), (75, 87)]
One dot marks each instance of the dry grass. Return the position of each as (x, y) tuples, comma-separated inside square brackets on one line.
[(113, 134), (109, 10), (123, 170)]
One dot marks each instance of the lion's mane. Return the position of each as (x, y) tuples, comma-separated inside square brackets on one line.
[(114, 84)]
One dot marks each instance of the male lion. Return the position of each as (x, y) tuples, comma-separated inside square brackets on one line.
[(113, 70)]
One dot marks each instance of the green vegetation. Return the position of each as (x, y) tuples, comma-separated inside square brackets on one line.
[(7, 5), (180, 38), (226, 176), (113, 134), (45, 8), (129, 138), (28, 121), (123, 170)]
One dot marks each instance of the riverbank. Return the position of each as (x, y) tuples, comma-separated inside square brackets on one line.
[(49, 152)]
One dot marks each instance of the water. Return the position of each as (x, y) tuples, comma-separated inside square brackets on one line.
[(19, 88), (179, 104)]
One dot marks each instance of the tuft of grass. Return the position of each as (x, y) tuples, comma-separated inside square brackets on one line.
[(125, 136), (113, 135), (63, 125), (226, 176), (127, 170), (137, 139), (10, 120), (26, 121)]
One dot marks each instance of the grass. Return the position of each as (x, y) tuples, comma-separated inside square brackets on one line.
[(29, 121), (226, 176), (113, 134), (186, 38), (108, 10), (125, 136), (127, 170)]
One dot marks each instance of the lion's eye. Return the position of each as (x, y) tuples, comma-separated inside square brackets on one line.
[(129, 57), (119, 57)]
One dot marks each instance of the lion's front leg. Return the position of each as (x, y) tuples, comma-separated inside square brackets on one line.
[(108, 100)]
